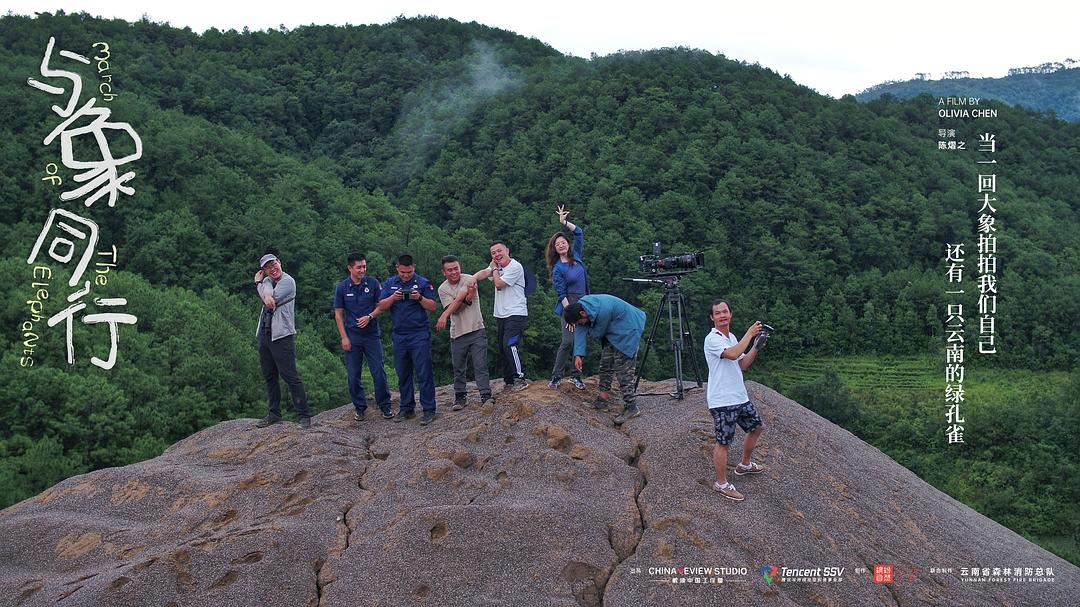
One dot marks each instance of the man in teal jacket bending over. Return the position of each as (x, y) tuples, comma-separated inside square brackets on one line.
[(618, 325)]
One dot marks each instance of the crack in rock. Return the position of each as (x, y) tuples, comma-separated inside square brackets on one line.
[(318, 584), (324, 574), (640, 525)]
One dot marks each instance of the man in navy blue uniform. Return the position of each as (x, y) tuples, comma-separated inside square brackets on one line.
[(410, 297), (356, 301)]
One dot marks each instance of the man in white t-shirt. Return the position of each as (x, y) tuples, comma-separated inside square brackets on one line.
[(511, 312), (728, 401)]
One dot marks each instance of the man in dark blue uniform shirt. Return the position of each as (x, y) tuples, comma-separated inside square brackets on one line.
[(356, 302), (410, 297)]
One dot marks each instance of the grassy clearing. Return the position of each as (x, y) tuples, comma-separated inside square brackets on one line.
[(921, 377), (1016, 420)]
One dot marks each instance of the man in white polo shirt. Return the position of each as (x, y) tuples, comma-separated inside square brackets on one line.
[(729, 403), (511, 312)]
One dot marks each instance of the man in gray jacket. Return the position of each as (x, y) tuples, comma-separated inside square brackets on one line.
[(277, 340)]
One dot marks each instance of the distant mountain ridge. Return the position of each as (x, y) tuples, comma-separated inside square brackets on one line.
[(1053, 86)]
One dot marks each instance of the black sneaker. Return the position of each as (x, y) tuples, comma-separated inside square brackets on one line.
[(358, 416), (486, 398), (554, 383), (460, 401), (305, 422), (404, 415), (520, 385), (600, 404), (388, 414), (628, 413), (427, 418), (269, 420), (580, 385)]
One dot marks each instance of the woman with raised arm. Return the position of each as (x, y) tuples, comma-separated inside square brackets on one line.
[(571, 283)]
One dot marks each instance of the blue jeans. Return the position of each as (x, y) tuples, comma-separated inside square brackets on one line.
[(412, 353), (370, 347)]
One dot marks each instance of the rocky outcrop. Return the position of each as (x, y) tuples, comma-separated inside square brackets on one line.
[(537, 500)]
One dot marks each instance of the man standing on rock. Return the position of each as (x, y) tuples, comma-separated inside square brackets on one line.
[(277, 340), (511, 312), (618, 325), (410, 297), (728, 401), (468, 340), (356, 301)]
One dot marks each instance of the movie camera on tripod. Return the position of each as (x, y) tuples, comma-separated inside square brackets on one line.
[(666, 271), (684, 263)]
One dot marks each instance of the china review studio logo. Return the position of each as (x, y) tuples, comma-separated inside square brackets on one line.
[(770, 574)]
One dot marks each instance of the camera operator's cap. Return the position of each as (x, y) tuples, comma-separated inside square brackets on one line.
[(265, 259)]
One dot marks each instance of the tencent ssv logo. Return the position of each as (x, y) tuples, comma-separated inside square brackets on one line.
[(770, 574)]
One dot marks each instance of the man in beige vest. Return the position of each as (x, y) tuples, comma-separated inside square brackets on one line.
[(468, 340)]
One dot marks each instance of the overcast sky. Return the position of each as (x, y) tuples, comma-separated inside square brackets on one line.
[(833, 46)]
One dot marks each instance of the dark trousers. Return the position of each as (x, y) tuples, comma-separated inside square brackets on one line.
[(412, 354), (564, 354), (278, 358), (367, 346), (511, 333), (470, 346)]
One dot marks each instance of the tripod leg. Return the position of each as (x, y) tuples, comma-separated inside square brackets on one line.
[(688, 332), (649, 342), (675, 316)]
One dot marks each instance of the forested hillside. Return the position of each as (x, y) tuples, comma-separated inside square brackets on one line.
[(826, 218)]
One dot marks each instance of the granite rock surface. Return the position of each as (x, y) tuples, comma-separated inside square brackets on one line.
[(534, 500)]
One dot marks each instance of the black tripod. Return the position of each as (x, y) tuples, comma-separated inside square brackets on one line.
[(673, 300)]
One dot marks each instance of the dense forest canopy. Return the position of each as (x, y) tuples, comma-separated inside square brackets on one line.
[(826, 218)]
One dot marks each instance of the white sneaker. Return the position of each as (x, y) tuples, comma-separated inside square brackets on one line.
[(753, 468), (728, 490)]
